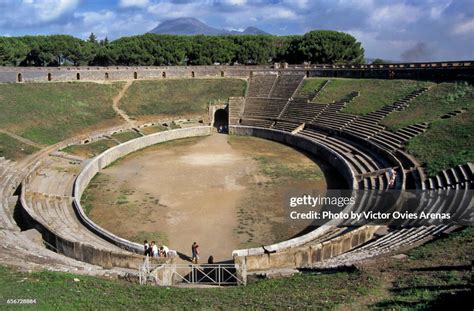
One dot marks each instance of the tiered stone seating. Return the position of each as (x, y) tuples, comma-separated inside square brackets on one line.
[(285, 126), (458, 177), (368, 125), (301, 110), (396, 140), (390, 242), (318, 91), (331, 118), (261, 85), (286, 85), (363, 161), (8, 183), (265, 108), (257, 122)]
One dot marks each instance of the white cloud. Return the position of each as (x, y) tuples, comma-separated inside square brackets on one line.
[(466, 27), (394, 15), (236, 2), (133, 3), (35, 12)]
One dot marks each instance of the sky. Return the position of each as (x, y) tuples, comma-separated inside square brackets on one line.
[(403, 30)]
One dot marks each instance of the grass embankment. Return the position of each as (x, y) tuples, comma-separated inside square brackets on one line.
[(11, 148), (448, 142), (47, 113), (374, 93), (92, 149), (125, 136), (436, 275), (178, 97)]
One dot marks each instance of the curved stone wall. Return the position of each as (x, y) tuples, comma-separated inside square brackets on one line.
[(306, 144), (111, 155)]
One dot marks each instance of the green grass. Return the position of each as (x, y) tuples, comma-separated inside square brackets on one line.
[(412, 287), (13, 149), (374, 93), (448, 142), (429, 106), (125, 136), (275, 169), (58, 290), (51, 112), (161, 238), (178, 96), (425, 281), (91, 149)]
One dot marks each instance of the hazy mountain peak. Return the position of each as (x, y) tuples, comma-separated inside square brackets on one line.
[(193, 26)]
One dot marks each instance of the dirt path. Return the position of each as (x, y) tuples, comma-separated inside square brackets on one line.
[(116, 102), (22, 139)]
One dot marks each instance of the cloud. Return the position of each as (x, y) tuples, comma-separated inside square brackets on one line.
[(34, 12), (133, 3), (466, 27), (386, 28)]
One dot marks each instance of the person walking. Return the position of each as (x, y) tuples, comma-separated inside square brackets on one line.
[(195, 253)]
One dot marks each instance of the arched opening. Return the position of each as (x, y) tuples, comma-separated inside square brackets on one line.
[(106, 76), (222, 74), (78, 76), (19, 78), (221, 120), (192, 74), (49, 76), (307, 74), (163, 74), (135, 75)]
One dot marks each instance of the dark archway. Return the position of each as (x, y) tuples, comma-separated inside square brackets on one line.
[(221, 120), (20, 78), (50, 77)]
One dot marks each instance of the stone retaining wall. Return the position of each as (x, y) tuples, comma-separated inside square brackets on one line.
[(307, 255), (111, 155), (437, 71)]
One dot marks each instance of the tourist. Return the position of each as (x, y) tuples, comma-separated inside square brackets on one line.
[(145, 247), (210, 260), (392, 174), (195, 253), (164, 251), (155, 249)]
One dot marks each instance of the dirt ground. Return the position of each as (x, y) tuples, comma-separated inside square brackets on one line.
[(225, 192)]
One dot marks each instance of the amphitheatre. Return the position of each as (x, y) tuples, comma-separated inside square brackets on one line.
[(138, 156)]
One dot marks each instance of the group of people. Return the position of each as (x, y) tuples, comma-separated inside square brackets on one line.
[(151, 249)]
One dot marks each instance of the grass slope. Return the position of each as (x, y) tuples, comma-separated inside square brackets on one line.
[(448, 142), (92, 149), (178, 97), (13, 149), (374, 93), (51, 112), (436, 275)]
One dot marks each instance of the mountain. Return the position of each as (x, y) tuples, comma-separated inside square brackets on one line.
[(193, 26)]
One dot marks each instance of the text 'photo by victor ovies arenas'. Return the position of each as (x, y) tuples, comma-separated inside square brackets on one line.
[(236, 155)]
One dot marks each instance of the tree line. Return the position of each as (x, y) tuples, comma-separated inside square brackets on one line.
[(318, 46)]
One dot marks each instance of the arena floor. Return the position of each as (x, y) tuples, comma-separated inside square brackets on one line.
[(225, 192)]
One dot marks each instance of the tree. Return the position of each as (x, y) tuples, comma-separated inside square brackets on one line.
[(329, 47), (92, 39)]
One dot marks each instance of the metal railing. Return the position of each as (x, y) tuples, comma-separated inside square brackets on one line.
[(175, 274)]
